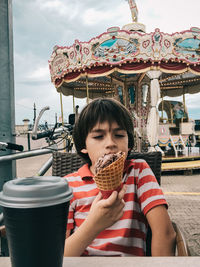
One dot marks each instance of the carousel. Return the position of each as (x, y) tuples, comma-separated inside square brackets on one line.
[(139, 69)]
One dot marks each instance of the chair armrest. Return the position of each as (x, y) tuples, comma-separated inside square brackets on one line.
[(181, 242)]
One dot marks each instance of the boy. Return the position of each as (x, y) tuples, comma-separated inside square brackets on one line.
[(115, 226)]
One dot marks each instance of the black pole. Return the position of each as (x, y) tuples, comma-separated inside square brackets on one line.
[(56, 119), (29, 143), (34, 113)]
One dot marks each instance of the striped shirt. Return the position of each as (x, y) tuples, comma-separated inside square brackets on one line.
[(126, 237)]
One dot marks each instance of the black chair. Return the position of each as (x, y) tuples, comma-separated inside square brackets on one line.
[(64, 163)]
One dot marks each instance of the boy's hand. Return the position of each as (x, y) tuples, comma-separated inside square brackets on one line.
[(105, 212)]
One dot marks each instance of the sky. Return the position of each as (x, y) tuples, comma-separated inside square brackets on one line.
[(39, 25)]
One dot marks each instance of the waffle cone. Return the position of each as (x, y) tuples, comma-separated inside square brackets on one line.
[(110, 177)]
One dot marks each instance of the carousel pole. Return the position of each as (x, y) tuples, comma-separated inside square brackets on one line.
[(111, 85), (124, 93), (162, 108), (87, 89), (74, 108), (139, 113), (134, 10), (171, 112), (183, 104), (61, 107), (62, 117)]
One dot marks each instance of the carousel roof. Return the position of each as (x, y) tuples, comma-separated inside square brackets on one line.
[(176, 85), (120, 54)]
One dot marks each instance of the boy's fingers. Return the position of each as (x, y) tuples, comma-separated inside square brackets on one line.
[(98, 197), (115, 195), (122, 192), (111, 199)]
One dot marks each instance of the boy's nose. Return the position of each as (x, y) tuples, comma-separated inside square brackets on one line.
[(110, 142)]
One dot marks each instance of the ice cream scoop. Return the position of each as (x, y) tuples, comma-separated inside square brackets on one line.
[(109, 172), (106, 160)]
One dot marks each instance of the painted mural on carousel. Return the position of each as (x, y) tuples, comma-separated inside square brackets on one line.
[(116, 49), (189, 47)]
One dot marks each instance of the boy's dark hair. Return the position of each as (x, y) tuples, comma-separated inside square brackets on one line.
[(101, 110)]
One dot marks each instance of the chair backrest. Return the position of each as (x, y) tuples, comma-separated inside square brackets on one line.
[(65, 163)]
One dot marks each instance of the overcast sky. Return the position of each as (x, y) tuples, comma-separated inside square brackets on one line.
[(39, 25)]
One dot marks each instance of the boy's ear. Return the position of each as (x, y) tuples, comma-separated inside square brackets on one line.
[(84, 151)]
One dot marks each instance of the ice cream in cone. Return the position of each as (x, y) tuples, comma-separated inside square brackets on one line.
[(109, 172)]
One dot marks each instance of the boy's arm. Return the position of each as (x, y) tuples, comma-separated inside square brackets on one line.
[(163, 234), (103, 213)]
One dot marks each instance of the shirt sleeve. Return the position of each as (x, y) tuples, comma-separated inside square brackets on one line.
[(70, 220), (70, 216), (149, 192)]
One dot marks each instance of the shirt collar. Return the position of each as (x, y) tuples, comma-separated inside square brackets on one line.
[(85, 172), (128, 166)]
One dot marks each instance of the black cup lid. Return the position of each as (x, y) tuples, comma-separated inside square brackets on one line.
[(35, 192)]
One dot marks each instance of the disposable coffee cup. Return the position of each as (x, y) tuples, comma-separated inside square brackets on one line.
[(35, 214)]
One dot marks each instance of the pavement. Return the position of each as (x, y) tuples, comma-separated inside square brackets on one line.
[(183, 196), (182, 193)]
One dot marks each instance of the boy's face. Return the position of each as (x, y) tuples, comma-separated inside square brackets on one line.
[(105, 138)]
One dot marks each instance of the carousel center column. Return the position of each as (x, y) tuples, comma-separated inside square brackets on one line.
[(153, 116)]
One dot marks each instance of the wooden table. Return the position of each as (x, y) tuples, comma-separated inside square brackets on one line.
[(123, 261)]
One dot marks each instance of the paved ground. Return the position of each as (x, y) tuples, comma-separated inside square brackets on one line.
[(30, 166), (182, 193), (183, 196)]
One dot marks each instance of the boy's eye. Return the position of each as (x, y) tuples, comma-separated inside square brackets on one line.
[(119, 135), (98, 136)]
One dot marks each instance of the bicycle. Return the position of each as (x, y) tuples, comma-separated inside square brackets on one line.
[(57, 138)]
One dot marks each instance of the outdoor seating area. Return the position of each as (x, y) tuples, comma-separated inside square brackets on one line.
[(65, 163), (131, 85)]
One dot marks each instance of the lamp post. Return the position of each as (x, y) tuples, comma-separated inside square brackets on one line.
[(34, 113)]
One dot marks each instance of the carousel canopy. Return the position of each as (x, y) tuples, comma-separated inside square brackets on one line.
[(120, 54), (176, 85)]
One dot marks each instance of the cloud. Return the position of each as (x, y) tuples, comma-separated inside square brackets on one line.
[(169, 16), (94, 16), (67, 9), (40, 72)]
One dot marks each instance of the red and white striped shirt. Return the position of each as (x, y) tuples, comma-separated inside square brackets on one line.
[(127, 237)]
